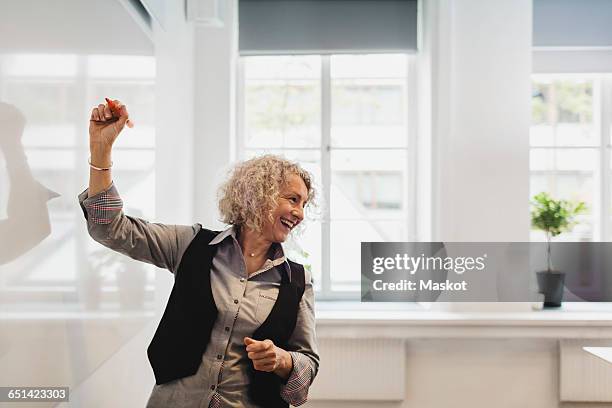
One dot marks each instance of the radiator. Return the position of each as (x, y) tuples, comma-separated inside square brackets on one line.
[(583, 376), (364, 369)]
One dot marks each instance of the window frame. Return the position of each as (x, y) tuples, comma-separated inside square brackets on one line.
[(410, 188), (602, 176)]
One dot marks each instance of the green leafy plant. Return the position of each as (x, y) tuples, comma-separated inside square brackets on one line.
[(554, 217)]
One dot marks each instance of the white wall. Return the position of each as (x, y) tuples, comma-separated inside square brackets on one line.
[(72, 26), (481, 114), (216, 52)]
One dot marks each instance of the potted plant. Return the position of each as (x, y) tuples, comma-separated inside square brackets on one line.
[(553, 217)]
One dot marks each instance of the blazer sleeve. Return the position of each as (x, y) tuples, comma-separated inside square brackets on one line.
[(159, 244), (303, 350)]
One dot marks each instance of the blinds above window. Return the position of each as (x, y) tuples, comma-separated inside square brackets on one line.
[(277, 27), (572, 23)]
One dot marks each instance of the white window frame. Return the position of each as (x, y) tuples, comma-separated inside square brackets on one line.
[(326, 292), (602, 105)]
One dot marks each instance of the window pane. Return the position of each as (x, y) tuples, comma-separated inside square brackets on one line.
[(305, 245), (369, 187), (369, 66), (282, 113), (346, 238), (38, 136), (138, 96), (368, 113), (368, 184), (44, 102), (369, 100), (39, 65), (121, 66), (569, 186), (564, 159), (54, 94), (282, 67), (562, 113)]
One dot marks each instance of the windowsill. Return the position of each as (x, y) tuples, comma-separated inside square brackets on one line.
[(485, 320)]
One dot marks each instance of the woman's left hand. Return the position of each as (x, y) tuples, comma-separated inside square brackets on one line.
[(268, 357)]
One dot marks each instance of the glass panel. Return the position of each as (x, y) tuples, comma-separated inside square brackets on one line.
[(282, 113), (586, 159), (44, 102), (369, 113), (39, 65), (282, 67), (368, 184), (304, 247), (139, 97), (574, 187), (562, 113), (369, 66), (121, 66), (346, 238), (52, 135), (369, 100), (55, 270)]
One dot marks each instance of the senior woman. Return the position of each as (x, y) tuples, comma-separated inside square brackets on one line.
[(238, 329)]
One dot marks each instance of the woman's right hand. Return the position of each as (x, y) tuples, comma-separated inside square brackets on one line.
[(105, 124)]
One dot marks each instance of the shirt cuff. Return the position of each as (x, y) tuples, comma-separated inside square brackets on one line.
[(102, 207), (295, 392)]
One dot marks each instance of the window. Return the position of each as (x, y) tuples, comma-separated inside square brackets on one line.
[(570, 140), (346, 119), (68, 271)]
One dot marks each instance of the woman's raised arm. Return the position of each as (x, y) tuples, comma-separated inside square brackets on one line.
[(159, 244), (107, 120)]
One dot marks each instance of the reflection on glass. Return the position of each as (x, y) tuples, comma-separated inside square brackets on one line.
[(39, 65), (67, 272), (27, 218), (44, 102), (67, 305)]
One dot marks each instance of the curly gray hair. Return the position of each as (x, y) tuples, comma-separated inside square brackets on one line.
[(250, 194)]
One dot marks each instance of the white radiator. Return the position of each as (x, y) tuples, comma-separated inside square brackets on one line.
[(365, 369), (583, 376)]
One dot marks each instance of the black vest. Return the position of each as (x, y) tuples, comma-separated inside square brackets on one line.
[(184, 330)]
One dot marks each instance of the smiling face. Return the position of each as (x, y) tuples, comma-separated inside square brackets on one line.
[(289, 211)]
